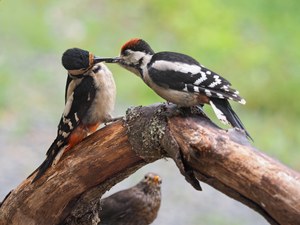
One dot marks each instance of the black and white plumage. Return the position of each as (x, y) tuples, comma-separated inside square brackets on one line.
[(180, 79), (89, 101), (138, 205)]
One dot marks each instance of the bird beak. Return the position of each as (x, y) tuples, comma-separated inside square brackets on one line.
[(103, 59), (114, 60), (156, 179)]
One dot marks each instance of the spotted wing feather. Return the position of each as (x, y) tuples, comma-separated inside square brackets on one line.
[(82, 98), (183, 73)]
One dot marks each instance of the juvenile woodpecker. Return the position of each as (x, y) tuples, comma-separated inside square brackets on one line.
[(180, 79), (89, 101)]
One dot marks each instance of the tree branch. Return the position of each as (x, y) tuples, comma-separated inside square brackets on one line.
[(99, 159), (69, 193), (227, 162)]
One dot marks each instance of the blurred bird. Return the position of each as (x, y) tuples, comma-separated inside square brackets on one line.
[(89, 101), (181, 79), (138, 205)]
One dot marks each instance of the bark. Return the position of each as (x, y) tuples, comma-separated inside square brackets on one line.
[(70, 192)]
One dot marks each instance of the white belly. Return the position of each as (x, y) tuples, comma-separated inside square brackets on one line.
[(104, 102), (180, 98)]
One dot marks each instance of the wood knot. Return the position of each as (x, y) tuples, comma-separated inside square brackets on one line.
[(147, 126)]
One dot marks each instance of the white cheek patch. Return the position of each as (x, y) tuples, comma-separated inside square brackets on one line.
[(134, 56)]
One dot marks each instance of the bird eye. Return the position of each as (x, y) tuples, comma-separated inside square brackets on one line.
[(126, 53)]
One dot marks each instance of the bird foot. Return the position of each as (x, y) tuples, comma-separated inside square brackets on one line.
[(198, 110), (111, 120), (175, 110)]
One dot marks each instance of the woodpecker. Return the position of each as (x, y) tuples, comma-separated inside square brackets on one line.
[(180, 79), (89, 101)]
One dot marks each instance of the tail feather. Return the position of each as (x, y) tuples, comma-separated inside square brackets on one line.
[(226, 114), (42, 169), (51, 155)]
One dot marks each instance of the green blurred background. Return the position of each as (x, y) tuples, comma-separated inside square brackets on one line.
[(254, 44)]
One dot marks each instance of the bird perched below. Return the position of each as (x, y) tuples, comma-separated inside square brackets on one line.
[(138, 205), (89, 101), (180, 79)]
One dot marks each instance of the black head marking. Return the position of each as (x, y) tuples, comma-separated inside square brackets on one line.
[(76, 58), (137, 44)]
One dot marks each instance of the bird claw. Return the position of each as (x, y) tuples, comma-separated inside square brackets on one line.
[(111, 120), (175, 110), (198, 110)]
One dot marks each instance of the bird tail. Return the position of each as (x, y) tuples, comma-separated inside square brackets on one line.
[(225, 113), (52, 153)]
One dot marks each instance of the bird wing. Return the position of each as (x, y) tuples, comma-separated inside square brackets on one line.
[(117, 205), (183, 73), (76, 108)]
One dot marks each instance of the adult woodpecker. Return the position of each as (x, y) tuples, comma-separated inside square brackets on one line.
[(180, 79), (89, 101), (137, 205)]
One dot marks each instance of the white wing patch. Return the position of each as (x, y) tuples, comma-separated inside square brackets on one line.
[(63, 134), (68, 121), (196, 89), (185, 88), (207, 92), (76, 117), (163, 65), (68, 105), (201, 74), (216, 82), (225, 88), (242, 101), (201, 79), (220, 95), (218, 113)]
